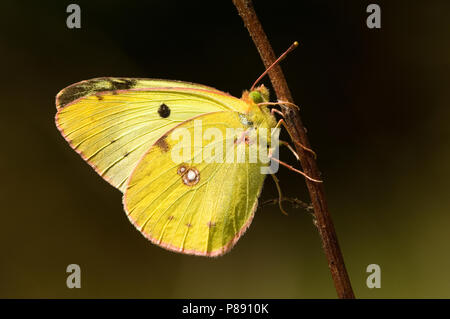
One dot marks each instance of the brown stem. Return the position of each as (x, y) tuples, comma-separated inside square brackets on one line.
[(298, 133)]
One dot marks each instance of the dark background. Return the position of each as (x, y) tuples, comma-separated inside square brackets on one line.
[(376, 103)]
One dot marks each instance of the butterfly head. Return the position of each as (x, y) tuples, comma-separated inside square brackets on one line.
[(259, 95), (258, 111)]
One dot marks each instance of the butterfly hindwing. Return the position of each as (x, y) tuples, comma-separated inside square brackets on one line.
[(195, 206), (112, 122)]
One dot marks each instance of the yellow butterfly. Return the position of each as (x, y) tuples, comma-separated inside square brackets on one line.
[(127, 130)]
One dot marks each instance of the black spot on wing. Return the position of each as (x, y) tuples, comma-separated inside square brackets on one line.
[(164, 110), (162, 144)]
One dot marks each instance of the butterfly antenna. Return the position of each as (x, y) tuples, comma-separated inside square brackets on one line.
[(292, 47)]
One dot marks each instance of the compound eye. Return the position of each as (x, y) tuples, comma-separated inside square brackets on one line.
[(256, 97)]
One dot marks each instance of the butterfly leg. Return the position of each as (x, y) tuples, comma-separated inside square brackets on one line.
[(273, 111), (280, 194), (294, 201), (284, 143), (282, 122), (279, 103), (296, 170)]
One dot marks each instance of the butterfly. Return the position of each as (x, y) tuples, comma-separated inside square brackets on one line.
[(127, 130)]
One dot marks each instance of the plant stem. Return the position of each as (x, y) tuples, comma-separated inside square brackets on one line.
[(298, 134)]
